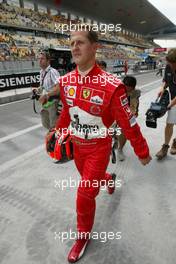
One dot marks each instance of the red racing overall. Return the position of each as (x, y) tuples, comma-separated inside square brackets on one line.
[(90, 104)]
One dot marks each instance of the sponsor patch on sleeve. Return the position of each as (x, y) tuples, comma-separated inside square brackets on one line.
[(130, 116), (128, 111), (123, 99), (132, 121)]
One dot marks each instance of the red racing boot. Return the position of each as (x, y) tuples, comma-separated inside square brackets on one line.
[(111, 184), (78, 249)]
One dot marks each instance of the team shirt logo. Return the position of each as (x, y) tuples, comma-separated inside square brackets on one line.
[(70, 91), (95, 109), (96, 99), (132, 121), (130, 116), (123, 99), (69, 102), (86, 93), (128, 112), (92, 95)]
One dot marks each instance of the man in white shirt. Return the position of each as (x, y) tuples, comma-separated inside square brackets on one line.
[(49, 79)]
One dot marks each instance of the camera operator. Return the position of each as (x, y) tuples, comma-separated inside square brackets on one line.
[(48, 91), (169, 81)]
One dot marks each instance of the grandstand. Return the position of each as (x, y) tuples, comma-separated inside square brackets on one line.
[(25, 31), (27, 28)]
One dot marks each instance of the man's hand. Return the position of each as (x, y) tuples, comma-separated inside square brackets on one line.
[(43, 99), (145, 161), (160, 93), (169, 107)]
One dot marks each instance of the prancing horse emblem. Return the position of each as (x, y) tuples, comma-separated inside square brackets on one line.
[(86, 93)]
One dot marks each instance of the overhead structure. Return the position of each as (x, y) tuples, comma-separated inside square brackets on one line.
[(138, 16)]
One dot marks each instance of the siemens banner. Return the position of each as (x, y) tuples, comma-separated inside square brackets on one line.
[(15, 81)]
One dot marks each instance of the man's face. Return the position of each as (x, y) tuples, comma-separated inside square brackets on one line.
[(83, 51), (129, 89), (43, 62)]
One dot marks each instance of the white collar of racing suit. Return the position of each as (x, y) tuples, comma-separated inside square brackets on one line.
[(84, 73)]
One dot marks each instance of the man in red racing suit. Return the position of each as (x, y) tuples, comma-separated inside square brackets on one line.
[(92, 100)]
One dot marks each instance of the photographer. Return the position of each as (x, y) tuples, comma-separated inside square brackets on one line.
[(48, 91), (169, 81)]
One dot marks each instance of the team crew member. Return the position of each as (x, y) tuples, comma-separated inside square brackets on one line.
[(169, 81), (133, 100), (92, 101), (49, 79)]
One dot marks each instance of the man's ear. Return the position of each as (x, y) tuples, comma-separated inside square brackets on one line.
[(96, 46)]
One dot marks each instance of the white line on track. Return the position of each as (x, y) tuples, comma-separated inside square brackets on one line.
[(19, 133), (21, 158), (148, 84), (19, 101)]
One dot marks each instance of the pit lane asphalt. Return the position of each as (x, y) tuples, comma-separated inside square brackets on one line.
[(34, 209)]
